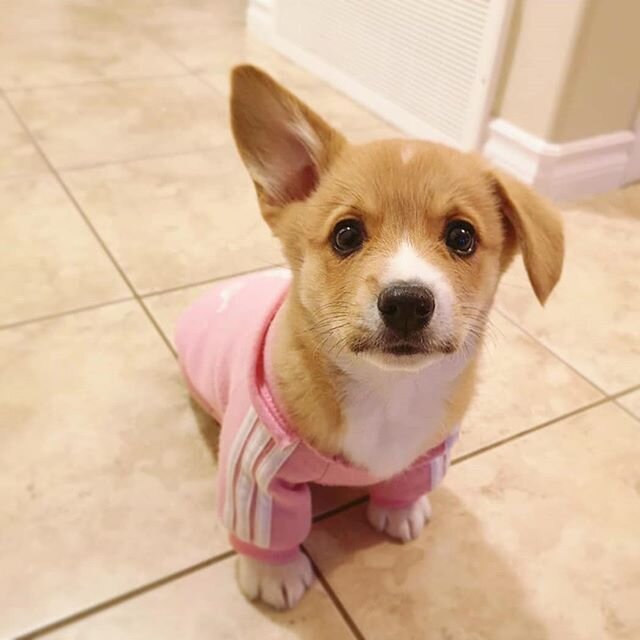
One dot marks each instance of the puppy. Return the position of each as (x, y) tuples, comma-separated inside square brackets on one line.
[(356, 365)]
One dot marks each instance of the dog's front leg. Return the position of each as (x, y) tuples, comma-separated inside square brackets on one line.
[(399, 506), (279, 585), (402, 523)]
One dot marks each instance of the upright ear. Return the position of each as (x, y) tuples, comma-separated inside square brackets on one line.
[(538, 230), (285, 146)]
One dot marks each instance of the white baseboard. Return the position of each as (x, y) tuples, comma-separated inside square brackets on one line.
[(563, 171), (260, 18)]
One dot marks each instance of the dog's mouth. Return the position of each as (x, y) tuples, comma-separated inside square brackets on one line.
[(419, 345), (403, 349)]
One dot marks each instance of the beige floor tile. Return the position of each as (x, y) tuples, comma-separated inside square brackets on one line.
[(631, 401), (50, 262), (621, 203), (536, 539), (520, 385), (592, 318), (207, 605), (212, 46), (246, 49), (182, 14), (124, 120), (106, 482), (177, 220), (72, 56), (17, 153), (37, 16)]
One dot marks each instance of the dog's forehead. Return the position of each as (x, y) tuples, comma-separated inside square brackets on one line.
[(404, 156), (412, 172)]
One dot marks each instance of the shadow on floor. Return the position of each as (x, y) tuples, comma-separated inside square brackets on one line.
[(451, 583)]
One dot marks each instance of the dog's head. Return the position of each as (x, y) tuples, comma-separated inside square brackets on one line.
[(396, 246)]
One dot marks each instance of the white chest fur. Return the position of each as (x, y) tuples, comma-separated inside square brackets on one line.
[(390, 416)]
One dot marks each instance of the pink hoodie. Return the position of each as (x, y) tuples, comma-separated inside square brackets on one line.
[(223, 343)]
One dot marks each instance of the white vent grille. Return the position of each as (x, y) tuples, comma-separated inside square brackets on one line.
[(427, 66)]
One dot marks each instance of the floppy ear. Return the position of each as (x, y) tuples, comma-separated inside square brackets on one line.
[(538, 229), (285, 146)]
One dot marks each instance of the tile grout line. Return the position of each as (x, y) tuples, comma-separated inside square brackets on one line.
[(142, 297), (199, 283), (610, 396), (86, 83), (145, 31), (624, 392), (337, 603), (551, 351), (128, 595), (526, 432), (625, 409), (200, 75), (63, 185), (194, 73), (158, 328), (63, 314), (339, 509), (126, 161)]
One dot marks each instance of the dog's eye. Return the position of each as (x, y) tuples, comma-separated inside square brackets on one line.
[(348, 236), (460, 237)]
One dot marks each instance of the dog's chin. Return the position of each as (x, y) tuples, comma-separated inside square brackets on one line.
[(398, 361)]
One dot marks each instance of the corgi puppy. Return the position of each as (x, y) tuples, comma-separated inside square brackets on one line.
[(356, 365)]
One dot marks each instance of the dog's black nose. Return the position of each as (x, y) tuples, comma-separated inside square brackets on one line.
[(406, 308)]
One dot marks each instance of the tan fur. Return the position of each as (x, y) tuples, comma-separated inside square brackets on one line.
[(308, 178), (309, 385), (538, 229)]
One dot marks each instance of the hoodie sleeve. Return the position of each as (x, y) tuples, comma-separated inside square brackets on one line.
[(263, 496), (423, 476)]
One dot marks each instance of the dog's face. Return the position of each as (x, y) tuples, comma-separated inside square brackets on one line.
[(399, 252), (396, 246)]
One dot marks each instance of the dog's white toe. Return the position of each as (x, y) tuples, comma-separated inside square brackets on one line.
[(403, 524), (278, 585)]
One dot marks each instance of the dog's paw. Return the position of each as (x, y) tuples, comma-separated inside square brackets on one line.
[(279, 585), (403, 524)]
